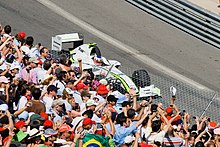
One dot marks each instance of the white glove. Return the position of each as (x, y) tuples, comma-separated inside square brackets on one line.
[(173, 91)]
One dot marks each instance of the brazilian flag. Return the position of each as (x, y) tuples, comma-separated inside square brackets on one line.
[(95, 140)]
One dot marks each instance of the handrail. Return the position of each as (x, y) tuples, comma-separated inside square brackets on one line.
[(192, 19)]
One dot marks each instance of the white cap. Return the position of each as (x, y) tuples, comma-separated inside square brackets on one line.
[(91, 103), (129, 139), (4, 107)]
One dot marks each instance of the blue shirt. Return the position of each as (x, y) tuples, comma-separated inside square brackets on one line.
[(122, 132)]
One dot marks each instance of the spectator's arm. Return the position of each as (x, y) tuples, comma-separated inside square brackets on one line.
[(186, 122), (142, 119), (132, 93), (137, 136), (16, 113), (149, 123), (3, 45), (111, 124), (19, 59), (6, 93), (202, 122), (11, 124), (80, 65), (199, 136), (5, 71), (140, 114)]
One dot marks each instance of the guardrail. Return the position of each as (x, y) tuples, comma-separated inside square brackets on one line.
[(184, 15)]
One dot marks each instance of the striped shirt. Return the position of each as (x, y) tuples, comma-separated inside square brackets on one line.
[(170, 141)]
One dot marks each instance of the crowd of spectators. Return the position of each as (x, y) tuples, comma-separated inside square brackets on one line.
[(45, 102)]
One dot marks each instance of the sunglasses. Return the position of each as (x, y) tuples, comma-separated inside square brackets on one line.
[(2, 111)]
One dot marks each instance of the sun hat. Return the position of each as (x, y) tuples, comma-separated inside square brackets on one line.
[(3, 79), (65, 127), (212, 125), (50, 132), (33, 59), (102, 90), (34, 133), (91, 103), (217, 131), (129, 139), (36, 117), (44, 115), (20, 136), (169, 110), (4, 107), (103, 81)]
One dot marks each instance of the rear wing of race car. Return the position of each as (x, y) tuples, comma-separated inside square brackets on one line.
[(58, 41)]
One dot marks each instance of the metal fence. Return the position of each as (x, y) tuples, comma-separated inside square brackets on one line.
[(196, 101)]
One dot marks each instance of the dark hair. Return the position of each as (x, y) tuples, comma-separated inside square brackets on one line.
[(36, 93), (7, 29), (47, 64), (63, 59), (131, 113), (156, 125), (89, 113), (121, 118), (29, 40), (145, 121), (125, 103), (42, 50), (200, 144)]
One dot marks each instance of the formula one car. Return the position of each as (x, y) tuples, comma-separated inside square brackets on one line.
[(102, 67)]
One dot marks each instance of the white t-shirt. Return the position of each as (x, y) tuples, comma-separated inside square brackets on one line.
[(77, 97), (60, 85), (48, 104), (22, 102), (26, 50)]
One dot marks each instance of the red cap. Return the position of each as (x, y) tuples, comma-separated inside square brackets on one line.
[(212, 125), (65, 127), (169, 110), (21, 35), (145, 145), (81, 86), (48, 123), (44, 115), (88, 121), (102, 89), (40, 61), (20, 124)]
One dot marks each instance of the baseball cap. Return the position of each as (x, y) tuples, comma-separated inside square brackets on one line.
[(65, 127), (44, 115), (88, 121), (217, 131), (212, 125), (4, 107), (3, 79), (14, 66), (91, 103), (111, 98), (33, 59), (36, 117), (81, 86), (48, 123), (21, 35), (19, 124)]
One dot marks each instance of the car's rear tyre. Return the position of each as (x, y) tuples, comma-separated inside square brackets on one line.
[(141, 78)]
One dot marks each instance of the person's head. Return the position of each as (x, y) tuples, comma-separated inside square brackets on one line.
[(70, 84), (3, 109), (112, 100), (85, 95), (7, 29), (200, 144), (63, 59), (44, 52), (131, 113), (36, 93), (126, 104), (52, 90), (29, 41), (87, 123), (33, 62), (47, 64), (210, 144), (156, 125), (88, 114), (91, 105), (123, 120), (72, 74), (57, 105), (21, 125), (65, 131)]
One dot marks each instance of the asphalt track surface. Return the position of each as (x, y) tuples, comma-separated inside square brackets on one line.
[(146, 34)]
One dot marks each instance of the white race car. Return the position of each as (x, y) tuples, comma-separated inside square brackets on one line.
[(103, 68)]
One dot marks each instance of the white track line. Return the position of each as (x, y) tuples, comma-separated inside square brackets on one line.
[(118, 44)]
